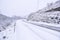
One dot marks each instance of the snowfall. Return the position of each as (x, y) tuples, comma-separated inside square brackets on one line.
[(25, 30)]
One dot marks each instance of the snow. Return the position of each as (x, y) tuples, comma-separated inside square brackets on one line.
[(38, 23), (8, 33), (26, 31)]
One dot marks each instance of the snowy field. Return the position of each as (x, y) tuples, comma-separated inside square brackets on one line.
[(8, 33), (26, 31)]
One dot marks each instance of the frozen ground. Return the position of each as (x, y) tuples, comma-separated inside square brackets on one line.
[(8, 34), (26, 31)]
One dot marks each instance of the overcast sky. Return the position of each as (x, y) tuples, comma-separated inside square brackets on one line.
[(22, 7)]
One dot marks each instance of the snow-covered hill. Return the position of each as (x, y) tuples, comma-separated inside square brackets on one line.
[(50, 14), (7, 25)]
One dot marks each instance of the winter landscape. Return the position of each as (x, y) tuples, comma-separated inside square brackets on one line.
[(42, 24)]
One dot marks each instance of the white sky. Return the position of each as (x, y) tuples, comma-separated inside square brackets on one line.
[(22, 7)]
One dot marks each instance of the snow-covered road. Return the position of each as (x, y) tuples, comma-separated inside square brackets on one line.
[(26, 31)]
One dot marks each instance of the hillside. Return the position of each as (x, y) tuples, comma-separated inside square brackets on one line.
[(49, 14)]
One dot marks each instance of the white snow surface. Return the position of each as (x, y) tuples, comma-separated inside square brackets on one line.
[(8, 33), (44, 23), (26, 31)]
